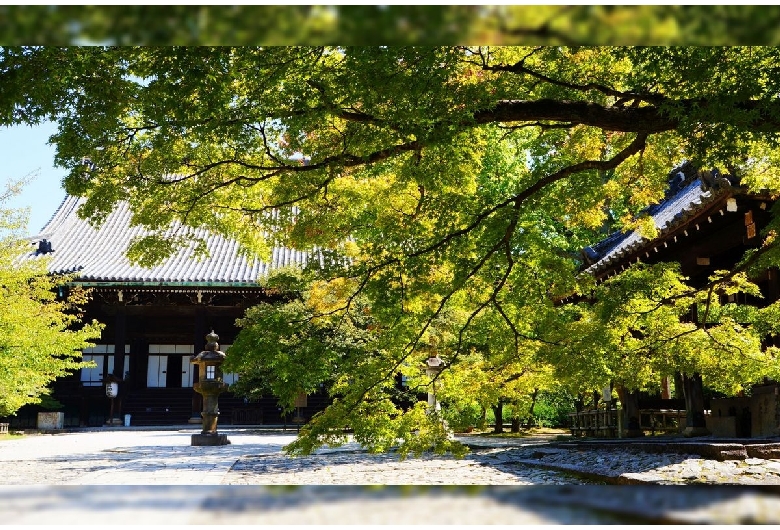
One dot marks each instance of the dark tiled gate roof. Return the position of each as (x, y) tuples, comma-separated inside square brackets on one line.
[(99, 254), (685, 198)]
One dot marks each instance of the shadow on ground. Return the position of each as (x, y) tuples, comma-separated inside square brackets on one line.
[(388, 504)]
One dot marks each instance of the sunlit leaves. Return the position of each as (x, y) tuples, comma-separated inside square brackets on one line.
[(41, 336), (647, 323), (450, 190)]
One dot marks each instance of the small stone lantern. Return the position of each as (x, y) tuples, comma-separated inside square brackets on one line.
[(210, 386), (433, 366)]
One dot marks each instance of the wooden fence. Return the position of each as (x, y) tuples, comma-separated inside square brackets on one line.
[(603, 423)]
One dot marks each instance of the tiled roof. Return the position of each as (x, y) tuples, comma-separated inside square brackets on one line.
[(685, 198), (99, 254)]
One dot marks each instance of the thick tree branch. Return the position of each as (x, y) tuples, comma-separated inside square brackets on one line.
[(644, 120), (602, 165)]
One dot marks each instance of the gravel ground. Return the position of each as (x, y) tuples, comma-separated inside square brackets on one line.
[(157, 477), (480, 467)]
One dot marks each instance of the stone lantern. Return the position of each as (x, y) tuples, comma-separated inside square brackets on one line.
[(210, 386), (433, 366)]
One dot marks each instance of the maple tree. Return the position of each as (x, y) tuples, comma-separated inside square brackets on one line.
[(43, 335), (445, 187)]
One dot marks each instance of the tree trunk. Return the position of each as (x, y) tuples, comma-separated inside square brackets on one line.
[(579, 403), (515, 424), (679, 391), (695, 424), (529, 424), (498, 412), (482, 418), (630, 402)]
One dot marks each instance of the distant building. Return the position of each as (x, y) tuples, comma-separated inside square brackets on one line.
[(706, 222), (156, 319)]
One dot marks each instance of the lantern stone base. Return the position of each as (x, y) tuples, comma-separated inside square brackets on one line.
[(209, 439)]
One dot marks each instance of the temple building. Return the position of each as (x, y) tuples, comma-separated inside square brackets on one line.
[(706, 222), (155, 320)]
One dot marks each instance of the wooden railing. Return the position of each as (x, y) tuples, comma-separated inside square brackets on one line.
[(662, 420), (599, 423), (603, 422)]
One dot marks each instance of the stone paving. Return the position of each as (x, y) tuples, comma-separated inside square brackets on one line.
[(623, 465), (165, 457), (633, 467), (162, 479)]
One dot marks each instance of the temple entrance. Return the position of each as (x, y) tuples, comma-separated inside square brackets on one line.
[(173, 360), (187, 372), (156, 374)]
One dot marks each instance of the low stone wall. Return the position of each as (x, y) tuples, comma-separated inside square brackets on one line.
[(755, 416), (706, 449), (722, 426), (50, 421)]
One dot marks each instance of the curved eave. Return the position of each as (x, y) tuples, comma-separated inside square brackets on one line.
[(174, 285), (632, 251)]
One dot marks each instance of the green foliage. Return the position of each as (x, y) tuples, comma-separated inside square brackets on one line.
[(464, 418), (389, 24), (639, 328), (552, 409), (41, 336), (449, 191)]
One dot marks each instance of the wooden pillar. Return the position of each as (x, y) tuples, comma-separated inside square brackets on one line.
[(120, 339), (693, 388), (199, 337), (199, 344), (665, 391), (695, 424)]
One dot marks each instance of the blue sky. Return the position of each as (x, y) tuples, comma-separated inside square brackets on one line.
[(25, 151)]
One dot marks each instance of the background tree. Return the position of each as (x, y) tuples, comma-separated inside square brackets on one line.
[(638, 327), (490, 368), (42, 336), (442, 183), (383, 25), (309, 343)]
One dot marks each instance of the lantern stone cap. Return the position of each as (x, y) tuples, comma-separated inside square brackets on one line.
[(208, 355), (211, 353)]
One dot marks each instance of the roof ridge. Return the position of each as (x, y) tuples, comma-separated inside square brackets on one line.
[(57, 213)]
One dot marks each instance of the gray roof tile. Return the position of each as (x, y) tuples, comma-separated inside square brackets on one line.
[(99, 254), (670, 213)]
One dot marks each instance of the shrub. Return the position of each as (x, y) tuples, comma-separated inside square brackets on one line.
[(462, 419)]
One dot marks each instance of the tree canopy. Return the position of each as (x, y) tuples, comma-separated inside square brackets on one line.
[(450, 189), (389, 24), (42, 335)]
